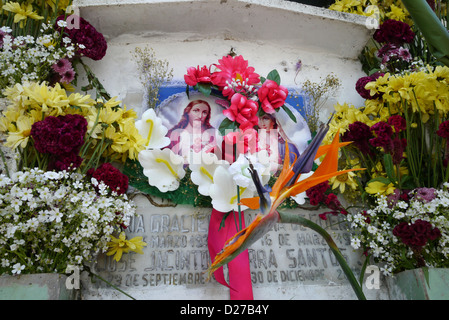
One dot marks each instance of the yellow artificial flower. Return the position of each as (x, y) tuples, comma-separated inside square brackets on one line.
[(344, 180), (396, 13), (378, 187), (21, 136), (51, 100), (22, 12), (118, 246)]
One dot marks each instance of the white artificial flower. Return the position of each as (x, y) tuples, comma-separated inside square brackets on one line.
[(223, 191), (203, 172), (163, 168), (150, 127), (241, 174)]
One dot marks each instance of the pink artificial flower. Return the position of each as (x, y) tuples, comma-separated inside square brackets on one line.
[(62, 66), (239, 142), (68, 76), (243, 110), (272, 96), (234, 75), (197, 75)]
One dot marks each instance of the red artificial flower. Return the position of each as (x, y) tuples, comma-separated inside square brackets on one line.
[(197, 75), (317, 194), (395, 32), (443, 129), (272, 96), (239, 142), (398, 123), (59, 135), (234, 69), (416, 234), (243, 110), (111, 176), (93, 42)]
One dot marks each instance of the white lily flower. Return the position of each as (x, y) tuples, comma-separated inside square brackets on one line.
[(223, 191), (241, 174), (163, 168), (150, 127), (203, 171)]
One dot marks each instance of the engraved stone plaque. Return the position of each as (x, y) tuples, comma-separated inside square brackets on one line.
[(289, 262)]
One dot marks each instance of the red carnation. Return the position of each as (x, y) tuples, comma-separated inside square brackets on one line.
[(395, 32), (111, 176), (197, 75)]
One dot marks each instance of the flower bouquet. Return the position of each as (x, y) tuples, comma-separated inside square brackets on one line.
[(400, 137), (62, 201)]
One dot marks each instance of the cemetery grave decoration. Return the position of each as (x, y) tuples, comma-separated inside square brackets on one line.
[(400, 136), (63, 201), (232, 164)]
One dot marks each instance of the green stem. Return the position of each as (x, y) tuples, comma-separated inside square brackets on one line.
[(286, 217), (110, 284)]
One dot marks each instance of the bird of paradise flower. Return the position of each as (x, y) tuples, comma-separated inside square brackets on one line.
[(288, 184)]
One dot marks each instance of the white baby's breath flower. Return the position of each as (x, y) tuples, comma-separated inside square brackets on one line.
[(17, 268)]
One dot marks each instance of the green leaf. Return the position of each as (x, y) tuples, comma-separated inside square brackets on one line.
[(380, 179), (274, 76), (204, 88), (226, 124), (262, 79), (289, 112), (389, 167)]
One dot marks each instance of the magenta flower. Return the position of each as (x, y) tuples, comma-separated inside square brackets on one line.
[(197, 75), (68, 76), (397, 122), (234, 75), (59, 135), (361, 83), (272, 96), (417, 234), (425, 194), (360, 134), (443, 130), (112, 177), (243, 110), (93, 44), (394, 32), (62, 66)]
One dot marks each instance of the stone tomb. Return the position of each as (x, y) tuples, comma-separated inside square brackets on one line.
[(289, 262)]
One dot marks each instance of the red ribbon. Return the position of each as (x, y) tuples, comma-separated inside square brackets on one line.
[(240, 285)]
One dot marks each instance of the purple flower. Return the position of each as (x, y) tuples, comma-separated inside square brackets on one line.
[(361, 83), (68, 76), (360, 134), (93, 43), (443, 130), (394, 32), (62, 66), (425, 194), (59, 135)]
